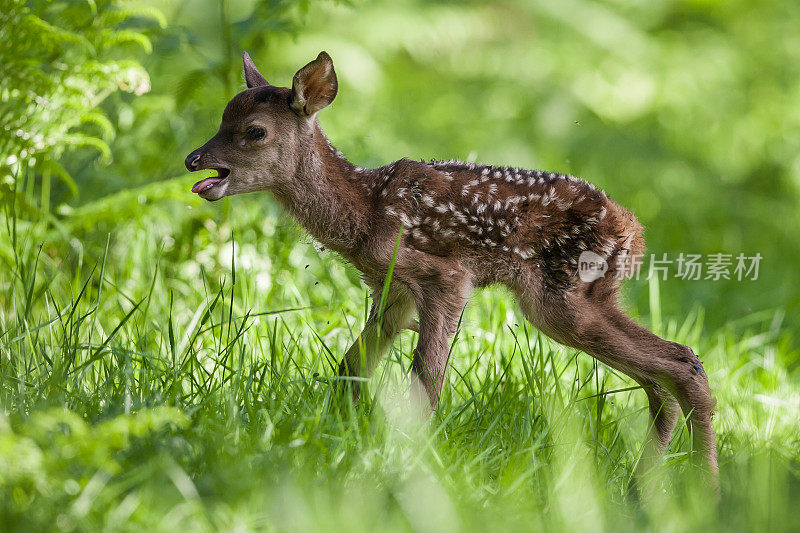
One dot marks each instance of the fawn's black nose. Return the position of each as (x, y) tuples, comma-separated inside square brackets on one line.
[(193, 160)]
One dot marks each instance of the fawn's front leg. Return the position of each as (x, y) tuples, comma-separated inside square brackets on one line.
[(375, 339), (439, 311)]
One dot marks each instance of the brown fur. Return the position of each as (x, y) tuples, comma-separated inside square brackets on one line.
[(464, 226)]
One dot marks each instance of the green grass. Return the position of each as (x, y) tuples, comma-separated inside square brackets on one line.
[(155, 374)]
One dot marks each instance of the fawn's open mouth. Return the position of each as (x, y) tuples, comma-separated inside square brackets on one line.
[(212, 181)]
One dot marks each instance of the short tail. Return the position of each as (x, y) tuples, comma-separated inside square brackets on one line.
[(628, 247)]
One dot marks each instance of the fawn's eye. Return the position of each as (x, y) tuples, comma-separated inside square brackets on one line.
[(256, 133)]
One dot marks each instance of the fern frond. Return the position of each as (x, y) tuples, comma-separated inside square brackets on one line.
[(99, 118), (114, 38), (81, 139), (123, 14)]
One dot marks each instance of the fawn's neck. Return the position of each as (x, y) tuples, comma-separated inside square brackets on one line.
[(327, 196)]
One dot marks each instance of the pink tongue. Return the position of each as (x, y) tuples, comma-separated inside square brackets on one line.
[(202, 185)]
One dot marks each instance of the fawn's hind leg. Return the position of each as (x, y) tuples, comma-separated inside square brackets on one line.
[(595, 324), (375, 339)]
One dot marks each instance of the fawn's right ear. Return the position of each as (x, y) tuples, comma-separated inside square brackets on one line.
[(251, 74), (314, 86)]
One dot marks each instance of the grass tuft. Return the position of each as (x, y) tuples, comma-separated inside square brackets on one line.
[(173, 378)]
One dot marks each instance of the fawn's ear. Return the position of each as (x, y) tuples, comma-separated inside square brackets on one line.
[(314, 86), (251, 74)]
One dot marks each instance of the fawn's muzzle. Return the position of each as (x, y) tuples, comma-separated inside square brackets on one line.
[(193, 160), (200, 160)]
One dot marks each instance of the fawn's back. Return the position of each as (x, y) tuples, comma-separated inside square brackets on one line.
[(499, 220)]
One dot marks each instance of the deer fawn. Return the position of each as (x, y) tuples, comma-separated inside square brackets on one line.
[(462, 226)]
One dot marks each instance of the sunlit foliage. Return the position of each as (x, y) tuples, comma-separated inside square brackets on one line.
[(57, 65)]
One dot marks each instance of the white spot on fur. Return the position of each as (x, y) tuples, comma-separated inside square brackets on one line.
[(563, 205), (524, 253), (417, 234)]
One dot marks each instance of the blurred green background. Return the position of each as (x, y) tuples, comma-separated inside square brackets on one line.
[(687, 112), (140, 387)]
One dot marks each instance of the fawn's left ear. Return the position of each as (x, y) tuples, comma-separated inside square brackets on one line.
[(314, 86), (251, 74)]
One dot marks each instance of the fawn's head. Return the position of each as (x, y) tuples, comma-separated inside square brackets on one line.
[(265, 131)]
